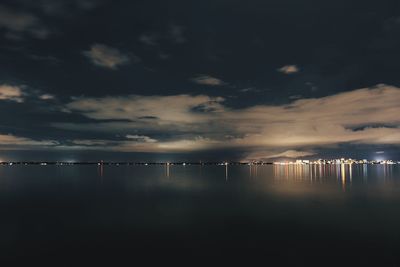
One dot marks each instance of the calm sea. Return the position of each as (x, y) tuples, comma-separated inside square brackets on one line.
[(274, 215)]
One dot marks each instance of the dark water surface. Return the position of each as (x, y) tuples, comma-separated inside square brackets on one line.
[(272, 215)]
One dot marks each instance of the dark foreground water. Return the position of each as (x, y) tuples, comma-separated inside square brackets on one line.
[(253, 215)]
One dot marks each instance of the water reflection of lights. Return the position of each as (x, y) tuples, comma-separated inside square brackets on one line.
[(365, 172), (343, 176), (100, 170), (167, 169), (253, 169), (344, 173), (387, 171), (297, 172)]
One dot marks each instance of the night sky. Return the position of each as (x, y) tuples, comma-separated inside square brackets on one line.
[(199, 80)]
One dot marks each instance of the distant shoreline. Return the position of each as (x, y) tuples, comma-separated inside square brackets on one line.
[(123, 163), (127, 163)]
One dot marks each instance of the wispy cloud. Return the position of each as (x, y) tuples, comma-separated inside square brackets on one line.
[(208, 80), (106, 56), (22, 93), (176, 34), (90, 142), (12, 93), (250, 89), (265, 155), (20, 19), (289, 69), (46, 97), (21, 24), (147, 109), (149, 39), (60, 8), (15, 142), (141, 138)]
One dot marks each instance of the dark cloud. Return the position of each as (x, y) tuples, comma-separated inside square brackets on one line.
[(18, 24), (254, 79), (59, 7), (176, 33)]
